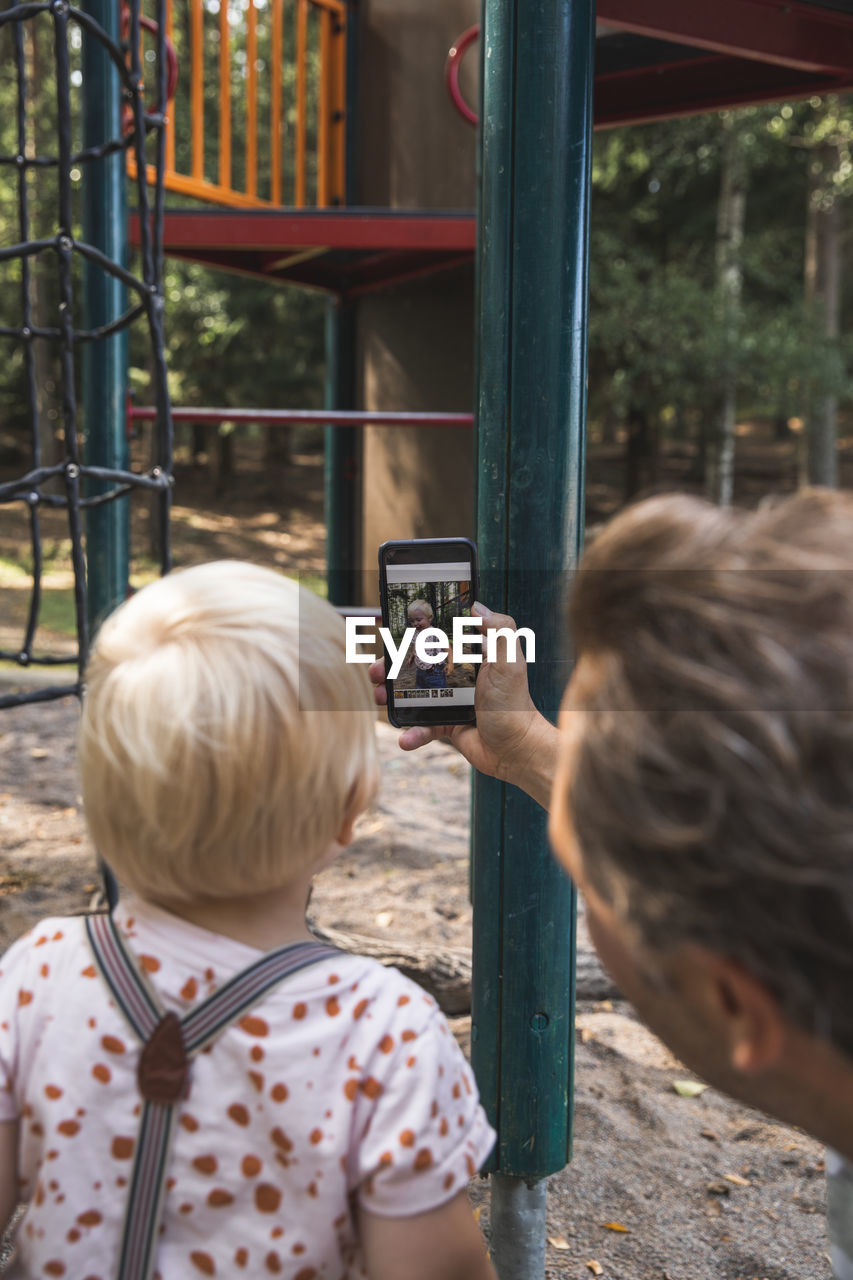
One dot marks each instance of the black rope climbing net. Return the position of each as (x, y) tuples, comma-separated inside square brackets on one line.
[(76, 482)]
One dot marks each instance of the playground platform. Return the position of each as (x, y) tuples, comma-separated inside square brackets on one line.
[(350, 251)]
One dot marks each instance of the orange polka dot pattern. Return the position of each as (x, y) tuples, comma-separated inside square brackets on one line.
[(343, 1083)]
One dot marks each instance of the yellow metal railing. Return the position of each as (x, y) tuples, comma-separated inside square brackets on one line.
[(258, 118)]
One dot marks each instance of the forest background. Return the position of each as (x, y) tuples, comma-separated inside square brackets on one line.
[(720, 306)]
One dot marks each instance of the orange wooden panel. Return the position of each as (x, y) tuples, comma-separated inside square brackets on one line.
[(328, 94), (170, 107), (197, 86), (339, 151), (323, 110), (224, 96), (252, 101), (301, 94), (275, 101), (183, 184)]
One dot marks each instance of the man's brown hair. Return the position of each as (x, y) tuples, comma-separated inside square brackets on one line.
[(713, 791)]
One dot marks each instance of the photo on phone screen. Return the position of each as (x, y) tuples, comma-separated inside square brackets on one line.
[(426, 584)]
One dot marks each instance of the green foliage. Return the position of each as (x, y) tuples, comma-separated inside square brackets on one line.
[(785, 362), (36, 215), (238, 342), (652, 337), (656, 340)]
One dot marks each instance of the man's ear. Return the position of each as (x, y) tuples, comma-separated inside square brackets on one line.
[(747, 1014)]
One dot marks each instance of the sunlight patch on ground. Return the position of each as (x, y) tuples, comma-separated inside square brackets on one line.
[(15, 577), (206, 523), (263, 520)]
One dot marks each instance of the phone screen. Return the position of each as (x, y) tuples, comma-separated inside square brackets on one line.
[(426, 585)]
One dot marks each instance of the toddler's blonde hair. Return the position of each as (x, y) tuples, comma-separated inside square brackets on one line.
[(423, 605), (224, 739)]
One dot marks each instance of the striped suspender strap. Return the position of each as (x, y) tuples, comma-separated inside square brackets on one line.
[(168, 1045)]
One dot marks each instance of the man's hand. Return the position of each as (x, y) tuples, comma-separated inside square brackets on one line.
[(510, 740)]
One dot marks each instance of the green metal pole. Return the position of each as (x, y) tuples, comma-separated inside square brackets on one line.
[(342, 458), (105, 361), (532, 313), (344, 445)]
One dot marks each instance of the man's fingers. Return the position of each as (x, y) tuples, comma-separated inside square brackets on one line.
[(376, 673), (492, 620), (417, 736), (495, 622)]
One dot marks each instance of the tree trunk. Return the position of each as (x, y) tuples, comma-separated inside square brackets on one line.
[(781, 430), (609, 424), (225, 461), (47, 376), (696, 472), (823, 296), (200, 432), (43, 296), (731, 214), (446, 974), (277, 448), (640, 452)]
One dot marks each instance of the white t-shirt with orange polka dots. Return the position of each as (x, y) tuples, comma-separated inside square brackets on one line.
[(343, 1086)]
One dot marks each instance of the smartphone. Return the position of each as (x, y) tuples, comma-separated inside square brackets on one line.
[(425, 585)]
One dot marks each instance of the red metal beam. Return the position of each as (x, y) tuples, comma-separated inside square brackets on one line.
[(412, 267), (327, 272), (297, 417), (342, 251), (803, 37), (296, 230), (704, 84)]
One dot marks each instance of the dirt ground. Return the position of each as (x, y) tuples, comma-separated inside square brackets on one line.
[(661, 1187)]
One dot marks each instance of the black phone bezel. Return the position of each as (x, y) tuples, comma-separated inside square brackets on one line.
[(421, 553)]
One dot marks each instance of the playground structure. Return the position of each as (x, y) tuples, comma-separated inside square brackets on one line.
[(381, 216), (392, 239), (318, 55), (93, 314)]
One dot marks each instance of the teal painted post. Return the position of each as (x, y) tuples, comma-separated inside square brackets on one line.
[(343, 445), (532, 313), (342, 458), (105, 362)]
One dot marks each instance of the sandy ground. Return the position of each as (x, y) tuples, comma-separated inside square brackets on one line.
[(461, 677), (661, 1187)]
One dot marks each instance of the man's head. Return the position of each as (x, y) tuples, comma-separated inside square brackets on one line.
[(225, 744), (705, 800)]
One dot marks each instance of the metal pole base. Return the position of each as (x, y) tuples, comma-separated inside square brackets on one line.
[(517, 1220)]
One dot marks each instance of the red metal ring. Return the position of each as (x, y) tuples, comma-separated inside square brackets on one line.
[(451, 72), (171, 56)]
